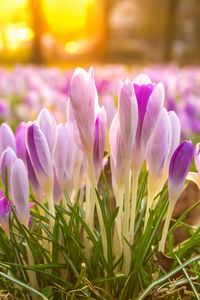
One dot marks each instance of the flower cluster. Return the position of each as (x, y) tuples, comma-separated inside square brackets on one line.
[(56, 157), (24, 91)]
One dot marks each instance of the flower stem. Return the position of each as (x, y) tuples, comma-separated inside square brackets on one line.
[(94, 200), (50, 201), (125, 228), (135, 176), (166, 226), (118, 224), (31, 274), (89, 218), (150, 197)]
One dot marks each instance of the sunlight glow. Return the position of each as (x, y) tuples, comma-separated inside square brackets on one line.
[(15, 35)]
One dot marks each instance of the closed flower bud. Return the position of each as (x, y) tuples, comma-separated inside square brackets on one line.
[(83, 95), (150, 98), (40, 156), (178, 169)]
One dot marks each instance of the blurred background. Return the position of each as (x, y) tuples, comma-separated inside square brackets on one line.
[(105, 31)]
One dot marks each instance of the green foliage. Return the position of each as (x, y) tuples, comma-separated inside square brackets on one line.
[(63, 270)]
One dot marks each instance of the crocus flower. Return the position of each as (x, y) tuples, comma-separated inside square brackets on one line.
[(116, 155), (40, 156), (156, 157), (20, 190), (178, 170), (7, 138), (118, 178), (4, 212), (66, 157), (193, 176), (47, 124), (150, 98), (84, 99)]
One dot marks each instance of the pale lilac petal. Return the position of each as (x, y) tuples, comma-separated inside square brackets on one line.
[(47, 124), (159, 145), (83, 96), (128, 116), (37, 190), (7, 158), (40, 156), (7, 138), (20, 190), (176, 132), (20, 137), (153, 108)]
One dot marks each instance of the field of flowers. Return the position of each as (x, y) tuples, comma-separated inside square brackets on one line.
[(92, 165)]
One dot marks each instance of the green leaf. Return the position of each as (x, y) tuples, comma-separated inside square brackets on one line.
[(22, 284)]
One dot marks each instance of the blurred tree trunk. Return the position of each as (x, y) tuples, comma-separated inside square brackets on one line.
[(108, 5), (37, 17), (171, 12), (197, 26)]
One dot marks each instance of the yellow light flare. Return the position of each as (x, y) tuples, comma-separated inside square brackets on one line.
[(16, 34), (1, 43), (66, 16), (71, 47)]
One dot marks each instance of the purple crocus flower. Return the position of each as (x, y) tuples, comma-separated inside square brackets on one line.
[(178, 169), (40, 156), (66, 157), (7, 138), (150, 98), (20, 190), (83, 95)]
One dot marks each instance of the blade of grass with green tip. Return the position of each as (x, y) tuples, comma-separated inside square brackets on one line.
[(22, 284)]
